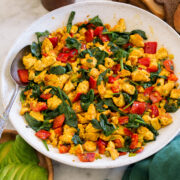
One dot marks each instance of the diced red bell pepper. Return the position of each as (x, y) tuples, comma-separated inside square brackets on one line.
[(134, 141), (112, 79), (92, 82), (98, 31), (169, 65), (66, 49), (86, 157), (155, 97), (58, 131), (40, 106), (43, 134), (140, 150), (138, 107), (84, 67), (115, 89), (117, 143), (127, 45), (150, 47), (172, 77), (123, 119), (152, 68), (46, 96), (90, 26), (63, 57), (77, 97), (122, 153), (154, 111), (58, 121), (128, 132), (144, 61), (73, 52), (104, 37), (148, 91), (54, 41), (116, 68), (83, 46), (127, 110), (23, 75), (89, 35), (45, 54), (101, 146), (64, 148)]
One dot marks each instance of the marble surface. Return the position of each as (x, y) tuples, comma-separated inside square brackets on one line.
[(15, 17)]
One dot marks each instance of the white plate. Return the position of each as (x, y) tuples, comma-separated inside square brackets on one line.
[(109, 12)]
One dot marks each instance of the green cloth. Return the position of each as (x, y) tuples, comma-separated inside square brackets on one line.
[(165, 165)]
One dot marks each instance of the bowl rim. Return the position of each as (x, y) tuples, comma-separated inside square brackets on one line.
[(9, 55)]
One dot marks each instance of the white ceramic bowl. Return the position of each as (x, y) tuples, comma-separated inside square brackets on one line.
[(109, 12)]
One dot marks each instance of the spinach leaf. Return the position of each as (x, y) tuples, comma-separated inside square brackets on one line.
[(76, 139), (101, 77), (172, 107), (129, 68), (36, 50), (140, 32), (51, 114), (99, 106), (69, 24), (41, 34), (121, 53), (46, 125), (87, 99), (45, 144), (146, 84), (96, 123), (83, 53), (63, 96), (84, 75), (107, 127), (57, 70), (73, 43), (127, 98), (96, 21), (32, 122), (68, 67), (22, 96), (121, 40)]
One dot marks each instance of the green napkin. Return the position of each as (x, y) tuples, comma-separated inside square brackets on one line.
[(162, 166)]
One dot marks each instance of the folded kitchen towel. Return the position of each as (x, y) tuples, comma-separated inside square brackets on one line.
[(164, 165)]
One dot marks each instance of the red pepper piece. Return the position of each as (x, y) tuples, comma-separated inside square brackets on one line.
[(40, 106), (150, 47), (89, 35), (66, 50), (134, 141), (64, 149), (117, 143), (169, 65), (58, 121), (172, 77), (98, 31), (92, 82), (144, 61), (77, 97), (43, 134), (23, 75), (123, 119), (58, 131), (63, 57), (148, 91), (116, 68), (138, 107), (86, 157), (125, 46), (122, 153), (104, 37), (101, 146), (115, 89), (46, 96), (128, 132), (112, 79), (73, 52), (54, 41), (154, 111), (155, 97), (152, 68), (140, 150)]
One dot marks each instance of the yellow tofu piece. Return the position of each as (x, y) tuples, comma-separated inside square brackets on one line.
[(89, 61), (51, 80), (166, 89), (119, 130), (77, 107), (94, 73), (63, 79), (138, 52), (132, 60), (25, 108), (142, 98), (155, 123), (113, 137), (165, 119), (147, 118), (69, 86), (128, 88), (74, 29), (164, 72), (81, 131), (83, 87), (75, 67), (89, 146), (69, 130), (120, 26), (37, 115), (82, 119), (46, 46), (53, 102), (38, 65), (40, 77), (109, 63), (102, 89), (175, 93), (108, 94), (119, 101), (72, 95), (29, 61), (111, 149), (91, 136), (31, 75), (124, 73), (162, 53), (140, 75), (91, 112), (146, 133), (101, 68), (48, 61), (66, 138), (90, 129), (136, 40)]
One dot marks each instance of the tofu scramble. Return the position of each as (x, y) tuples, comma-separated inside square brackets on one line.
[(94, 90)]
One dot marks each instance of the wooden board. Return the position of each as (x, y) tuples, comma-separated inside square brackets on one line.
[(44, 161)]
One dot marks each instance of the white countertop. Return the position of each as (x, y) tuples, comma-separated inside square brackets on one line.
[(15, 17)]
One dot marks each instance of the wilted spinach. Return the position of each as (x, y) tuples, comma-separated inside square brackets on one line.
[(69, 24), (96, 21), (102, 76), (76, 139), (140, 32), (73, 43), (57, 70)]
